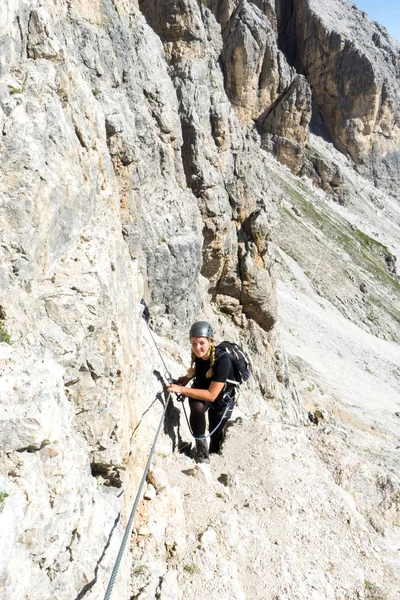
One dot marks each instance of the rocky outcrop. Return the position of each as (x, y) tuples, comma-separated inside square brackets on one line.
[(83, 147), (261, 86), (223, 9), (54, 519), (326, 174), (117, 167), (256, 270), (255, 71), (267, 7), (352, 66), (284, 128), (222, 162), (240, 538)]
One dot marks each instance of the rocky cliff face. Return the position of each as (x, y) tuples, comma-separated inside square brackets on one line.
[(136, 161), (352, 66), (114, 170)]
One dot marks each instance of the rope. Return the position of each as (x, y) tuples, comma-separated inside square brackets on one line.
[(135, 505), (205, 437), (167, 372)]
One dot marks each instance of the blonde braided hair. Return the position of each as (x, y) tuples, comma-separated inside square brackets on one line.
[(209, 374), (191, 369)]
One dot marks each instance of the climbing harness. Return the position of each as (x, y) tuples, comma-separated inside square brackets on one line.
[(135, 505)]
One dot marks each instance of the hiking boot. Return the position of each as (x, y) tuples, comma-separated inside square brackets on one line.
[(201, 455)]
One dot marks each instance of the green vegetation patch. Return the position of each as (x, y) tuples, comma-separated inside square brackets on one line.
[(365, 251), (367, 255), (373, 592), (191, 568), (4, 335), (140, 570), (13, 90)]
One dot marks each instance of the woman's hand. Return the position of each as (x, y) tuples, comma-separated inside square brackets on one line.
[(198, 394), (176, 389)]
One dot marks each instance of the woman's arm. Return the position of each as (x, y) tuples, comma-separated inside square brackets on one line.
[(206, 395)]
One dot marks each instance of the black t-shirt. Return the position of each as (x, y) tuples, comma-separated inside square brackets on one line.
[(222, 370)]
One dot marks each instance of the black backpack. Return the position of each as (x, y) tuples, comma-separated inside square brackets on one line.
[(238, 358)]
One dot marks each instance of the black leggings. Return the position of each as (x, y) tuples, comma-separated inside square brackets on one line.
[(198, 409)]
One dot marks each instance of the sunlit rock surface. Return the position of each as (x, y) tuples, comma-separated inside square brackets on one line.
[(150, 150)]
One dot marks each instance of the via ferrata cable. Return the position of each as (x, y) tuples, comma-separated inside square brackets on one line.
[(135, 505)]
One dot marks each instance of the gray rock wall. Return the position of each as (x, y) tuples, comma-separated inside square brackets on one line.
[(95, 213), (124, 174), (352, 65), (223, 164)]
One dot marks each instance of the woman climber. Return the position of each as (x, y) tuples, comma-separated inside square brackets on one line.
[(211, 390)]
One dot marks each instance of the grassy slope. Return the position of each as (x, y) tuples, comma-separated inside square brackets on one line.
[(338, 259)]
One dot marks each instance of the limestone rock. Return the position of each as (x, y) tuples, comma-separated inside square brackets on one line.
[(257, 294), (220, 160), (222, 9), (352, 66), (126, 173), (42, 42), (261, 85), (174, 20), (286, 124), (240, 538), (157, 478), (52, 502), (256, 72), (267, 7), (169, 588), (326, 174)]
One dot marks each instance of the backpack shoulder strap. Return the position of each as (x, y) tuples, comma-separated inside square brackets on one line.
[(220, 350)]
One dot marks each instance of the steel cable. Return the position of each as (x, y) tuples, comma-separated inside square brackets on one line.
[(133, 511), (128, 528)]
